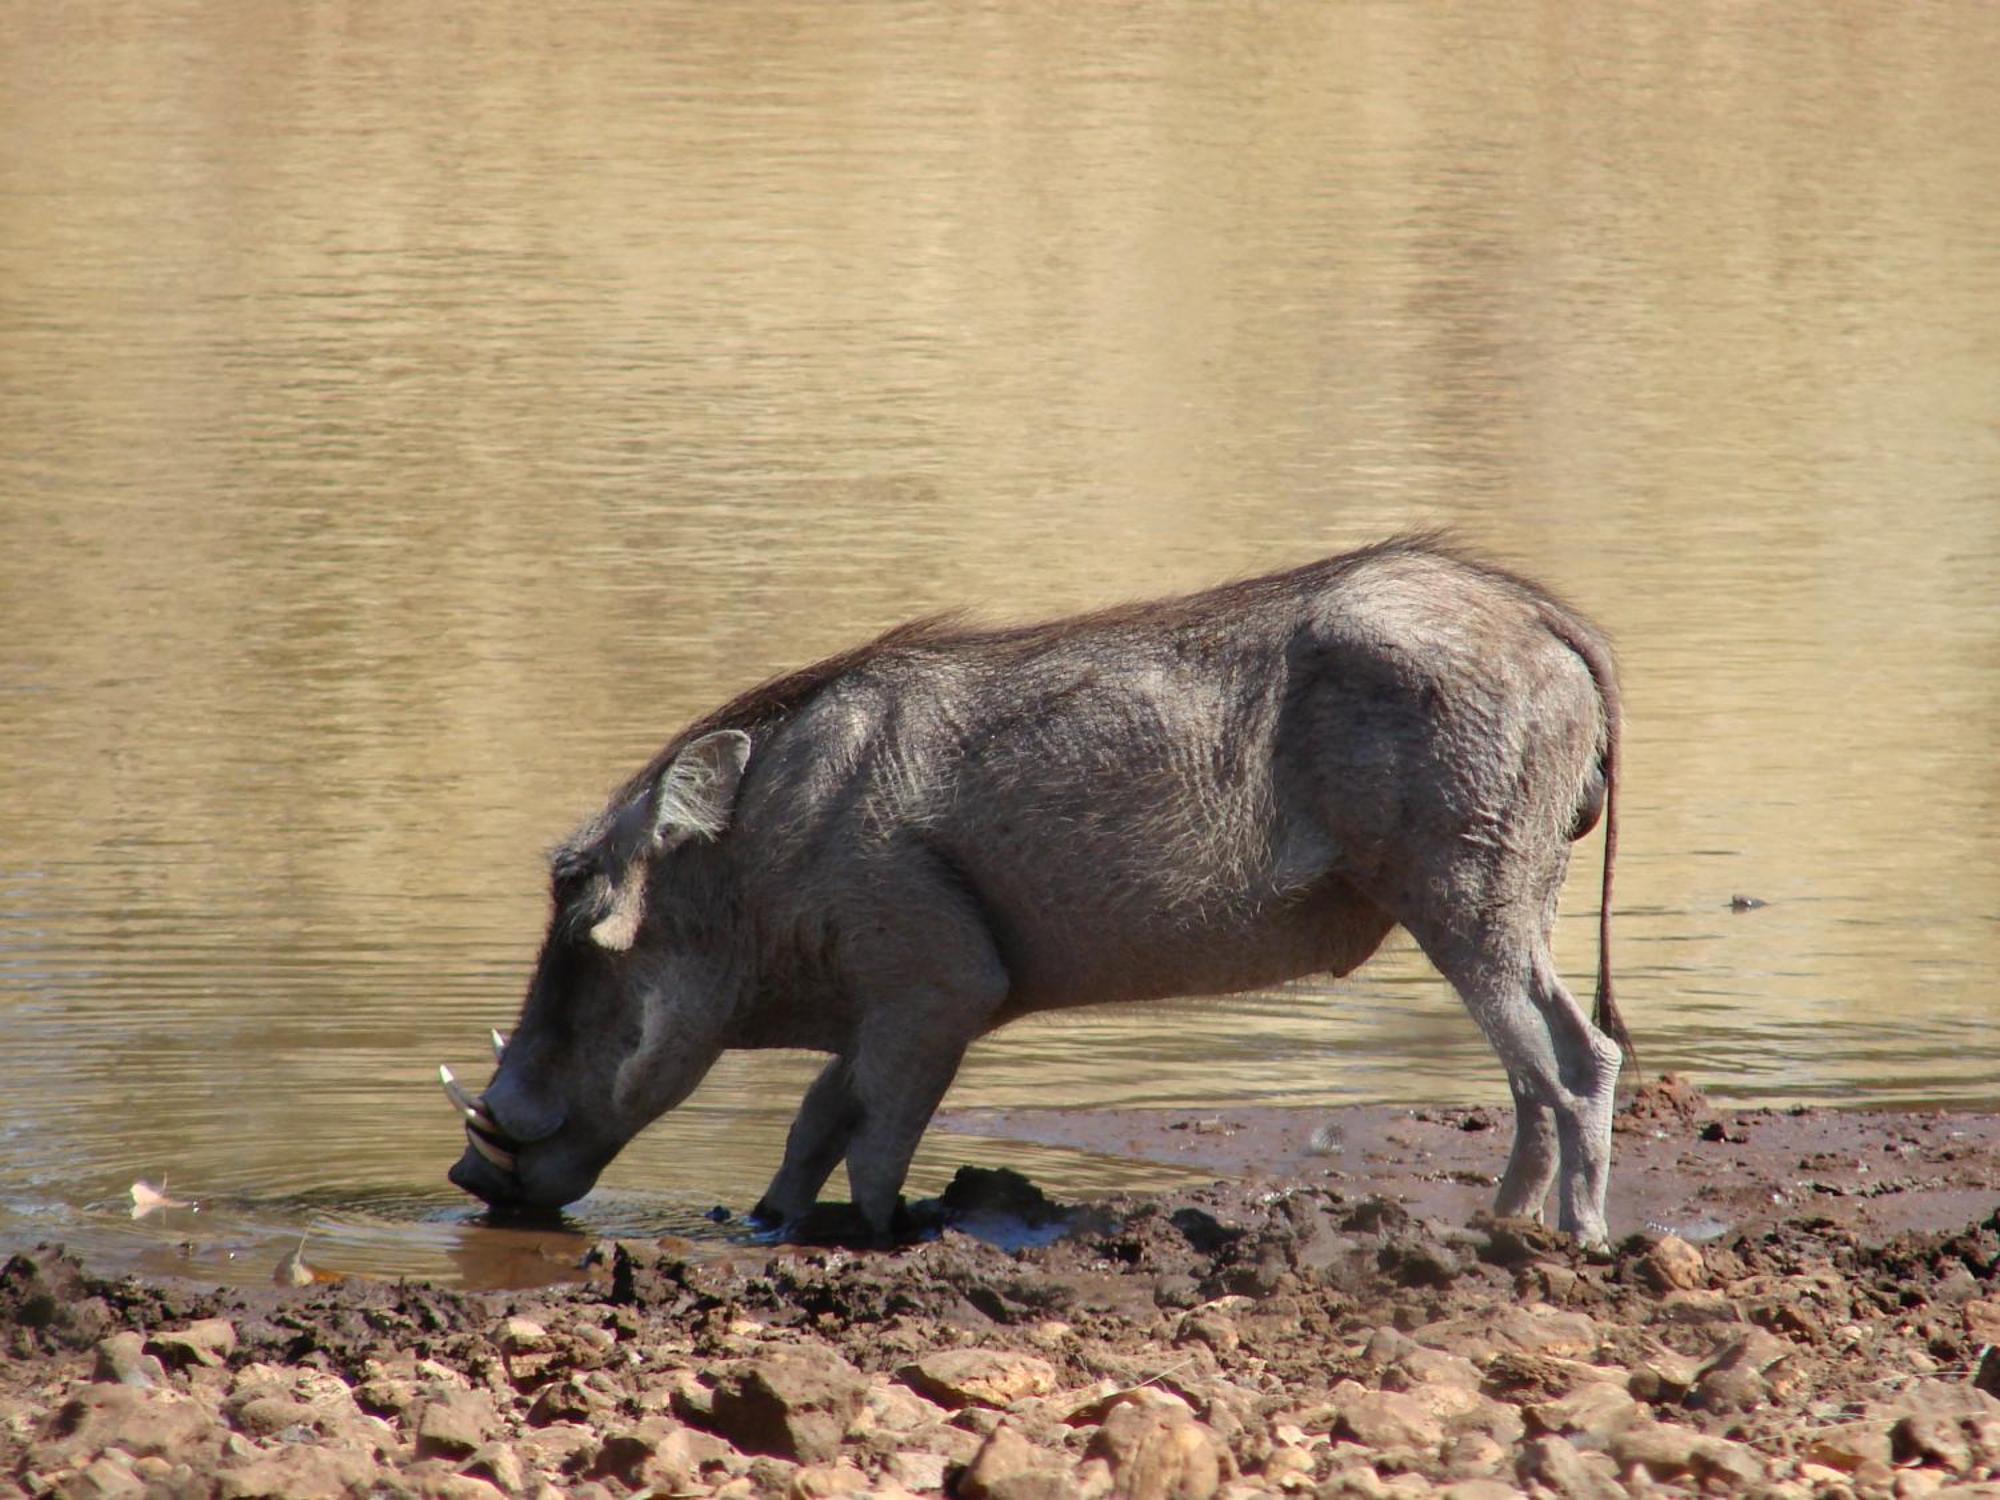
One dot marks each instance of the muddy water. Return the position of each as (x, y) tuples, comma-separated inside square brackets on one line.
[(411, 417)]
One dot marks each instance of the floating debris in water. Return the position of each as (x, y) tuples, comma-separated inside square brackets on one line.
[(146, 1198)]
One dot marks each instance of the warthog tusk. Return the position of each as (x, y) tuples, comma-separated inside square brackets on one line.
[(504, 1160), (478, 1121), (499, 1044), (463, 1102)]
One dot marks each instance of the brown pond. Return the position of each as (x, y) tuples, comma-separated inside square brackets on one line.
[(411, 415)]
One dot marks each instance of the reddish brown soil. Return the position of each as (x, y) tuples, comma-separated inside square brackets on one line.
[(1330, 1319)]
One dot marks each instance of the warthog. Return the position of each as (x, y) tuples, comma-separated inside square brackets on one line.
[(888, 854)]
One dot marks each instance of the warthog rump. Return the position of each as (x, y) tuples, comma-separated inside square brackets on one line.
[(888, 854)]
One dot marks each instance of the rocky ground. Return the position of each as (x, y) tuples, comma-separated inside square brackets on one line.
[(1319, 1332)]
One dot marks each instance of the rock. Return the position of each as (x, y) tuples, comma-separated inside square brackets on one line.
[(518, 1335), (122, 1360), (1595, 1411), (108, 1478), (1287, 1468), (1157, 1453), (1385, 1419), (795, 1405), (1930, 1440), (1850, 1445), (261, 1416), (301, 1474), (1534, 1329), (500, 1465), (1205, 1326), (957, 1378), (654, 1455), (1697, 1306), (1420, 1367), (917, 1471), (820, 1481), (141, 1422), (1666, 1450), (1938, 1398), (1092, 1413), (209, 1342), (1474, 1455), (1750, 1372), (1664, 1377), (560, 1445), (567, 1400), (896, 1408), (1987, 1377), (1009, 1467), (1672, 1264), (1555, 1464), (454, 1424), (433, 1480)]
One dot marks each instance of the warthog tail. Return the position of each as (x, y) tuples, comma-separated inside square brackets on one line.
[(1596, 656)]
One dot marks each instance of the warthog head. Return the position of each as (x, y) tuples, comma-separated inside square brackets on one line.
[(629, 997)]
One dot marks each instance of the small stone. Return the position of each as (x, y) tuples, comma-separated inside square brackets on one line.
[(568, 1400), (1847, 1447), (1534, 1329), (1287, 1468), (500, 1465), (301, 1474), (122, 1360), (997, 1378), (1158, 1454), (519, 1335), (1930, 1440), (1698, 1306), (1556, 1464), (1595, 1411), (1385, 1419), (141, 1422), (1666, 1450), (795, 1405), (1009, 1467), (105, 1478), (1672, 1264), (655, 1455), (822, 1481), (209, 1342), (267, 1416), (918, 1471), (1473, 1455), (454, 1424)]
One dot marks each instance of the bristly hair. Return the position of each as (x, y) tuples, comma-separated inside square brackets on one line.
[(777, 699)]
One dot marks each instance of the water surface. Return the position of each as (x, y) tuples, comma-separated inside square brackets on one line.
[(412, 417)]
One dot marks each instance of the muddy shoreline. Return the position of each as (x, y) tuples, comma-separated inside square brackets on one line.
[(1798, 1303)]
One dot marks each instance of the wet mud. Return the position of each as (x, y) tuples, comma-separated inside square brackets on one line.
[(1797, 1304)]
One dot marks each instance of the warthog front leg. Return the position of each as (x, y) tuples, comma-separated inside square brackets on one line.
[(901, 1073)]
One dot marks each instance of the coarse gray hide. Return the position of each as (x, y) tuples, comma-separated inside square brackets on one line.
[(886, 855)]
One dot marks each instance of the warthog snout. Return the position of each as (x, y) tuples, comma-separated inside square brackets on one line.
[(502, 1125)]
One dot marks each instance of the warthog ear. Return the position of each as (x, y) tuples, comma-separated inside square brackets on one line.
[(696, 794)]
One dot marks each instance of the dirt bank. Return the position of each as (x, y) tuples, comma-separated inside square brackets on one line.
[(1331, 1320)]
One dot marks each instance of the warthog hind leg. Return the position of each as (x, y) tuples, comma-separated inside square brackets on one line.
[(1563, 1070), (1531, 1167)]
